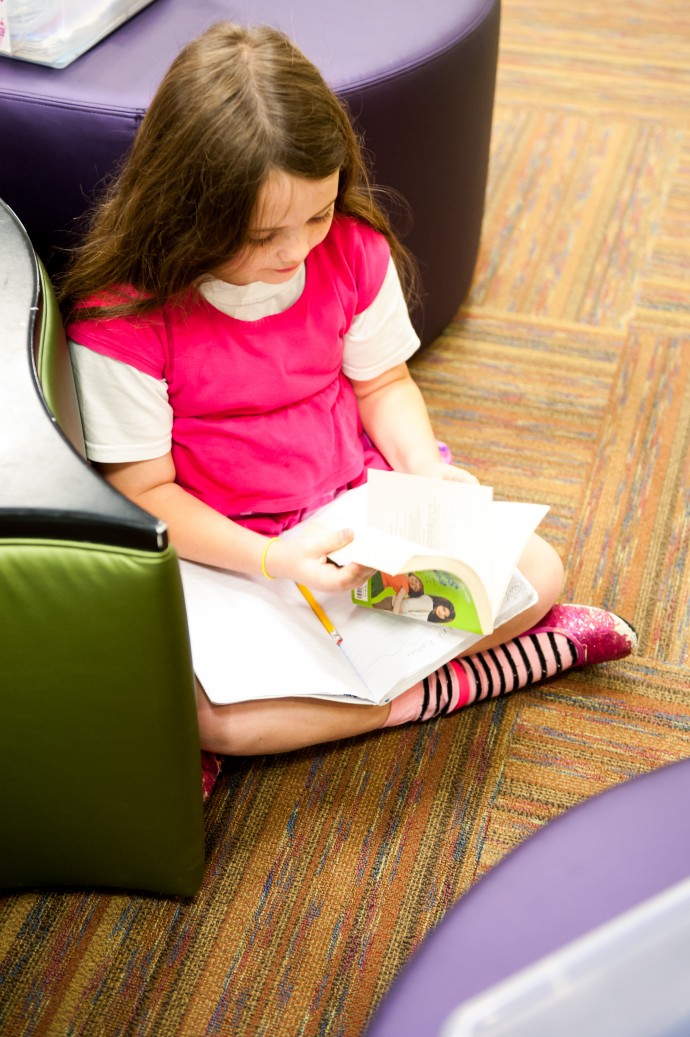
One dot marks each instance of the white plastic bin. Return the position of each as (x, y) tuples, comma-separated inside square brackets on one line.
[(55, 32), (628, 978)]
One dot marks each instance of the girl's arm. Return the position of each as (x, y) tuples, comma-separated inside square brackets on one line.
[(395, 417), (201, 534)]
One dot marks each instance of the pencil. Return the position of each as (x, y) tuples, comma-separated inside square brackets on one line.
[(319, 612)]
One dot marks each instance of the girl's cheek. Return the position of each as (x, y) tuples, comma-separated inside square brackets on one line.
[(320, 233)]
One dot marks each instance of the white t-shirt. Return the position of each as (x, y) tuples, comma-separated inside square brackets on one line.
[(127, 415)]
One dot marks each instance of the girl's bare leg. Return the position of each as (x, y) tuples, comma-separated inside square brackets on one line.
[(280, 725)]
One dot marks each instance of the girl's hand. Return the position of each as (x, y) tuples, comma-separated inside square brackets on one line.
[(304, 559), (454, 474), (451, 472)]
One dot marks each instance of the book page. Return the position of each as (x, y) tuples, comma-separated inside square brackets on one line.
[(511, 524), (448, 517), (252, 640), (390, 655), (394, 519)]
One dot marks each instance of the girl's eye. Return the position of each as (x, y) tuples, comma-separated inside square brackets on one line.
[(259, 242), (323, 218)]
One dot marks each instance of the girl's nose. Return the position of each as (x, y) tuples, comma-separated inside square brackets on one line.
[(294, 249)]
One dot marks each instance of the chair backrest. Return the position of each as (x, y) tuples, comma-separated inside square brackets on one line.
[(47, 484), (52, 365), (96, 681)]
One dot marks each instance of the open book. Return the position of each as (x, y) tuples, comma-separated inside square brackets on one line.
[(254, 639), (444, 551)]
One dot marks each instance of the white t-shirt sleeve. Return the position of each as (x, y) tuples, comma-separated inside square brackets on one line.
[(381, 336), (125, 413)]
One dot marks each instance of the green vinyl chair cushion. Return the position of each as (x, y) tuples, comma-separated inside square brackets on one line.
[(104, 781)]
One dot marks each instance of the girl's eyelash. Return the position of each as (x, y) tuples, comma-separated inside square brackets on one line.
[(323, 218)]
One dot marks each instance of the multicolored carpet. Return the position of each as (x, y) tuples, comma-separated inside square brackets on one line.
[(565, 379)]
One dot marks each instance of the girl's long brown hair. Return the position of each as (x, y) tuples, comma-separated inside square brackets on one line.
[(236, 104)]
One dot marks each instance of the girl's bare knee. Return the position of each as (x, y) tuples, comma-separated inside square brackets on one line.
[(226, 730), (542, 566), (548, 575)]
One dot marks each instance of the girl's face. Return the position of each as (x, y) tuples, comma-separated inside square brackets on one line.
[(414, 583), (292, 215)]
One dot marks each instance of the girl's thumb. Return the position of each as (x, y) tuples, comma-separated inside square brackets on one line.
[(335, 540)]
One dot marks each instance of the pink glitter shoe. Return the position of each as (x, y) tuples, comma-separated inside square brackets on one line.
[(211, 765), (596, 635)]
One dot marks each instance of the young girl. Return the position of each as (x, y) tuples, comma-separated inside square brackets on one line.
[(239, 336)]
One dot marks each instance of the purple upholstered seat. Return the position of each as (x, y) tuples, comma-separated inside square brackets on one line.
[(592, 863), (418, 77)]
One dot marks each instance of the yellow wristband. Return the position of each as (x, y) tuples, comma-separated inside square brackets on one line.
[(263, 558)]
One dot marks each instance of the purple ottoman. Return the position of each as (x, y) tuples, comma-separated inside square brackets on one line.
[(592, 863), (418, 78)]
